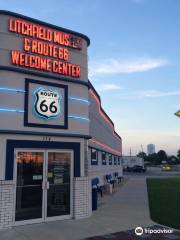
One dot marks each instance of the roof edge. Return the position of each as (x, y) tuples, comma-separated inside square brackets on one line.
[(92, 87), (6, 12)]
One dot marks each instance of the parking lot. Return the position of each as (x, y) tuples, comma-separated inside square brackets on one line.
[(154, 172)]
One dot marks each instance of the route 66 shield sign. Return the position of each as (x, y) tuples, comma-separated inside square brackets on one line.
[(48, 103)]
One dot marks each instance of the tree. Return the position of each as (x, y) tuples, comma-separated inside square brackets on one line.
[(152, 158), (141, 155), (178, 154), (172, 160), (161, 156)]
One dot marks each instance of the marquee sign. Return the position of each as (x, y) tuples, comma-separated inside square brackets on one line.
[(44, 49), (47, 103)]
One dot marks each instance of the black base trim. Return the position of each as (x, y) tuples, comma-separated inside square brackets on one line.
[(44, 75), (45, 134)]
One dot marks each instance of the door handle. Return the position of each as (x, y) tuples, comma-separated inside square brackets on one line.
[(47, 185)]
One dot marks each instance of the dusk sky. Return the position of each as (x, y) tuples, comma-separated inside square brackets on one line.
[(134, 61)]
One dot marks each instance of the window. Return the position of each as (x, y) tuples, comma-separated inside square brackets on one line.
[(110, 159), (115, 160), (94, 157), (119, 160), (103, 158)]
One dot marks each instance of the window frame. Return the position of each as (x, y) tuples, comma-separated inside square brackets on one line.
[(104, 161), (94, 161), (115, 160), (110, 158)]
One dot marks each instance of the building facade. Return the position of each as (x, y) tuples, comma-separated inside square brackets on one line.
[(105, 145), (150, 149), (51, 119)]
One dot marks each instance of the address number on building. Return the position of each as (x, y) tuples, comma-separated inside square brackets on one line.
[(48, 103)]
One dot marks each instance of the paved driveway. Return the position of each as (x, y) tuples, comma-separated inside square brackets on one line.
[(125, 210)]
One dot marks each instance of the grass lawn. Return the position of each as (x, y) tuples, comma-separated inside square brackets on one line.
[(164, 201)]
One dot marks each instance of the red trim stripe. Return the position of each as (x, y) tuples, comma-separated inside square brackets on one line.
[(109, 149), (102, 114)]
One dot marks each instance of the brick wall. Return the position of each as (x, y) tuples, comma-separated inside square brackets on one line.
[(82, 198), (6, 203)]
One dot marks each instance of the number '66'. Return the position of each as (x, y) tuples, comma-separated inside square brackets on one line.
[(44, 107)]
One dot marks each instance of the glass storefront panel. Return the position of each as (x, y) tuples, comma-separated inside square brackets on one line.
[(58, 195), (29, 195)]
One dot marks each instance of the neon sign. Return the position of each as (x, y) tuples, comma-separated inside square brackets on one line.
[(45, 49)]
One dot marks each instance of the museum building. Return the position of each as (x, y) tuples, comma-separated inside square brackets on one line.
[(55, 137)]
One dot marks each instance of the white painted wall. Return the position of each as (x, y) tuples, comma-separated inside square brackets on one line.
[(100, 170)]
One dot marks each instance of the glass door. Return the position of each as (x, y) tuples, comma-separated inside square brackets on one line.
[(58, 204), (29, 192), (43, 185)]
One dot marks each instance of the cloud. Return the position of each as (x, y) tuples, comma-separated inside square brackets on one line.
[(156, 94), (115, 66), (142, 94), (108, 87)]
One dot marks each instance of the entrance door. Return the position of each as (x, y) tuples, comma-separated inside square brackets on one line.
[(58, 194), (43, 185)]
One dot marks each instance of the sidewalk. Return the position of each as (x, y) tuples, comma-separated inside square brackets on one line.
[(126, 209), (130, 235)]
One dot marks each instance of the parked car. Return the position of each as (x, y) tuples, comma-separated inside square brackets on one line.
[(166, 168), (136, 168)]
